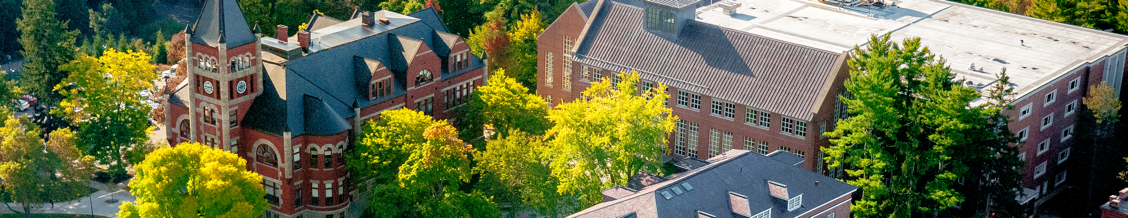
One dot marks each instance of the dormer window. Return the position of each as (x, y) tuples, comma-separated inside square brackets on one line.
[(381, 88), (659, 19), (424, 77)]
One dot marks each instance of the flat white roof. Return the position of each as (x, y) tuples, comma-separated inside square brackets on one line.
[(964, 35)]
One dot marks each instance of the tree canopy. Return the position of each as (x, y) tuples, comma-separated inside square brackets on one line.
[(34, 172), (193, 180), (47, 45), (610, 134), (102, 98)]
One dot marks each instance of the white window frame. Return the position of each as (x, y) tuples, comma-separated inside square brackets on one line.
[(786, 126), (714, 142), (763, 214), (730, 111), (795, 203), (763, 149), (1074, 85), (1022, 156), (1043, 147), (1067, 133), (751, 117), (1063, 155), (1047, 121), (726, 141), (1023, 134), (716, 108), (765, 119), (1040, 170), (548, 69), (801, 129), (1060, 177), (1071, 108), (1050, 98), (1025, 111)]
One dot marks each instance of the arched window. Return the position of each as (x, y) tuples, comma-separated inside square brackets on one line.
[(423, 78), (327, 156), (185, 129), (312, 156), (266, 156)]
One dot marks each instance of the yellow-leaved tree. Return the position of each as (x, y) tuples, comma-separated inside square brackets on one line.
[(192, 180), (34, 172)]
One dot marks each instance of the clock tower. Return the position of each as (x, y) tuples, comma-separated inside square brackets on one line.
[(224, 74)]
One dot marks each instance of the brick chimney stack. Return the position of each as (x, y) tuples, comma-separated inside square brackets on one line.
[(282, 33), (303, 39), (366, 17), (385, 21)]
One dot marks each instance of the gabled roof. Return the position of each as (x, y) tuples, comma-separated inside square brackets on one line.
[(318, 21), (708, 189), (444, 43), (320, 119), (735, 66), (403, 49), (431, 18), (221, 21)]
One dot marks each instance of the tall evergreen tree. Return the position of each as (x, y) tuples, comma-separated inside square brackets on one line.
[(47, 44), (910, 118), (9, 11)]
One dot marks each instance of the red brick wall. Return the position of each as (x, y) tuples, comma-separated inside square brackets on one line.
[(570, 23)]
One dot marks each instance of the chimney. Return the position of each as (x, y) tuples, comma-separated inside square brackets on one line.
[(303, 39), (282, 33), (384, 20), (366, 18), (1123, 194)]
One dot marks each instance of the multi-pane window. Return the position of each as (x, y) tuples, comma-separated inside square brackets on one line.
[(763, 147), (313, 158), (749, 143), (800, 129), (297, 196), (694, 101), (714, 142), (272, 191), (458, 95), (751, 117), (786, 149), (785, 126), (461, 61), (328, 193), (297, 158), (799, 153), (314, 199), (185, 129), (424, 77), (730, 110), (726, 142), (566, 81), (1043, 146), (232, 115), (1070, 108), (1025, 111), (718, 108), (548, 69), (1050, 97), (659, 19), (683, 98), (1067, 133), (1022, 134), (1063, 155), (1040, 169), (692, 142), (585, 73), (680, 137), (615, 81), (425, 105), (381, 88), (646, 86), (328, 158), (266, 156), (1047, 121), (1074, 85), (841, 110), (765, 119)]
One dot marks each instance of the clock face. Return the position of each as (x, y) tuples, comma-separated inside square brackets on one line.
[(241, 87), (208, 87)]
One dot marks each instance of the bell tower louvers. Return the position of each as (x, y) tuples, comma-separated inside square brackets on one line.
[(224, 74)]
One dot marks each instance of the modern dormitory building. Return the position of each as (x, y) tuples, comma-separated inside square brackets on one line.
[(754, 186), (290, 105), (764, 75)]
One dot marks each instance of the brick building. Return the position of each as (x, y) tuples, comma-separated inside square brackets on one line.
[(292, 105), (763, 75), (737, 183)]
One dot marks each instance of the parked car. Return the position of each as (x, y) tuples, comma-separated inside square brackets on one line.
[(22, 105), (31, 99)]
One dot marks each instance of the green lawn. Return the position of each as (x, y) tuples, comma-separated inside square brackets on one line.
[(48, 216)]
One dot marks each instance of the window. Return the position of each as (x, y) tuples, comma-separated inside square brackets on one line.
[(763, 214), (822, 129), (841, 110), (313, 158), (646, 87), (1043, 146), (566, 81), (1060, 178), (314, 200), (683, 98), (785, 126), (695, 101), (585, 73), (659, 19), (800, 129), (1040, 169), (272, 191), (750, 117), (548, 69), (763, 147), (831, 215), (714, 142), (596, 75), (1022, 134), (1047, 121), (680, 137), (297, 196), (799, 153), (328, 158), (690, 100), (423, 78), (1075, 84), (1025, 111), (726, 142), (795, 203), (297, 158), (730, 110), (692, 142), (615, 79), (718, 108), (425, 105), (1063, 155), (462, 60), (1067, 133), (185, 129), (232, 119), (749, 143), (381, 88), (785, 149), (1070, 108), (1022, 156), (1050, 98), (765, 119), (328, 193), (266, 156)]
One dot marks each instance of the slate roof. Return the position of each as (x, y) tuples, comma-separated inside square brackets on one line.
[(736, 171), (332, 70), (177, 97), (318, 21), (740, 67), (674, 3), (221, 21)]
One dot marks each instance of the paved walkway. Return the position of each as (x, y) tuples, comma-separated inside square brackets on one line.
[(82, 205)]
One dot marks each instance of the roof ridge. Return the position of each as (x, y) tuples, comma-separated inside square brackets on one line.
[(317, 86)]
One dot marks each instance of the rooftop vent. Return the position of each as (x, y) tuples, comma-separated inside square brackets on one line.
[(677, 190), (687, 186), (385, 21), (728, 7), (778, 190), (667, 195), (703, 214)]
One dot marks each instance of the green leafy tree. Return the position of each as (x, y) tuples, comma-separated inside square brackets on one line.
[(34, 172), (1099, 119), (515, 163), (463, 16), (384, 145), (1085, 13), (105, 20), (75, 12), (8, 92), (193, 180), (292, 13), (909, 119), (47, 44), (103, 99), (606, 137), (507, 105), (258, 12), (523, 49), (402, 6)]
